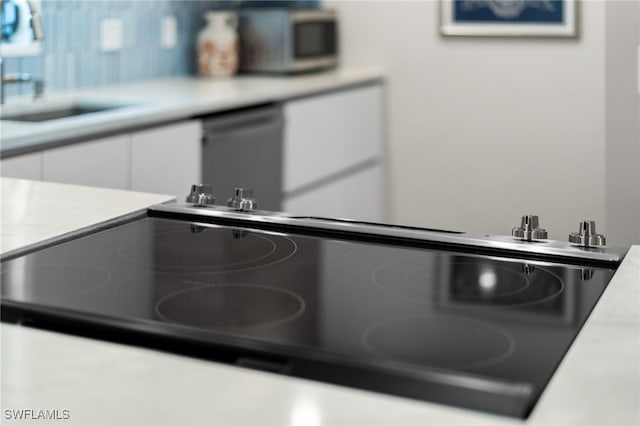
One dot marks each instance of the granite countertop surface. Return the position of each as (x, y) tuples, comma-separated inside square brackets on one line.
[(598, 382), (155, 102)]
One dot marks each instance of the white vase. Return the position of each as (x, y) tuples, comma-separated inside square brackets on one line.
[(218, 45)]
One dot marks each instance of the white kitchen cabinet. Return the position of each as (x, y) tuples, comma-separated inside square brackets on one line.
[(329, 140), (102, 162), (358, 196), (167, 159), (28, 166), (326, 134), (164, 160)]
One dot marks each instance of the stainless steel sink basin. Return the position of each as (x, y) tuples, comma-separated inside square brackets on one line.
[(40, 113)]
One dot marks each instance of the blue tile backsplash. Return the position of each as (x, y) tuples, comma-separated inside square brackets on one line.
[(71, 56)]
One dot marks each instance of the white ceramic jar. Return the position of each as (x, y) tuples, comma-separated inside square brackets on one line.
[(218, 45)]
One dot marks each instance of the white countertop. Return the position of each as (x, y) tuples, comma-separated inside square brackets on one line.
[(598, 382), (36, 212), (160, 101)]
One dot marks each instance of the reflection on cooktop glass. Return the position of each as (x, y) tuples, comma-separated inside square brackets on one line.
[(381, 307)]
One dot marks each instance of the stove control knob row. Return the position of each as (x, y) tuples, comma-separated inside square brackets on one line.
[(243, 200), (201, 195), (587, 236), (529, 229)]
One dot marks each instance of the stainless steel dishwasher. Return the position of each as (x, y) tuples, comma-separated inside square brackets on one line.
[(243, 148)]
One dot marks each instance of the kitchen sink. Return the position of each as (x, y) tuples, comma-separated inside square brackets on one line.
[(41, 113)]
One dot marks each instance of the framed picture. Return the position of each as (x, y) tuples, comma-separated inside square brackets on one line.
[(509, 18)]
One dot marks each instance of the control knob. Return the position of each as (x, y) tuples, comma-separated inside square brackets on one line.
[(243, 200), (587, 236), (201, 195), (529, 229)]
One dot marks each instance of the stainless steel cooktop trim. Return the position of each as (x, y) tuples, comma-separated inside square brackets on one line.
[(484, 241)]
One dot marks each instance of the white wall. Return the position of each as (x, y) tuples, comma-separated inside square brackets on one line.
[(622, 120), (482, 131)]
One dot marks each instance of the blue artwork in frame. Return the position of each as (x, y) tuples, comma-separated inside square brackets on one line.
[(533, 18)]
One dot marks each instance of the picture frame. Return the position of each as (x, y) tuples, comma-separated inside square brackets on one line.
[(515, 18)]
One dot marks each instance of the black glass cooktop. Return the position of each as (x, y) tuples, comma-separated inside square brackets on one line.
[(477, 331)]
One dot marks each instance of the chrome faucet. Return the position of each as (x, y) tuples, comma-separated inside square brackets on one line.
[(37, 29), (37, 33), (19, 77)]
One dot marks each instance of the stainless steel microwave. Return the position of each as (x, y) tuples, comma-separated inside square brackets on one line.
[(288, 41)]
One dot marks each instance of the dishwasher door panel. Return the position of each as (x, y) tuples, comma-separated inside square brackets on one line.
[(243, 149)]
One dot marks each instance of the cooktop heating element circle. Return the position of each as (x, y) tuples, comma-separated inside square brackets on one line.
[(205, 249), (480, 282), (440, 341), (231, 306)]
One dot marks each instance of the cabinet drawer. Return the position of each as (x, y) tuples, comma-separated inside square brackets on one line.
[(359, 196), (102, 162), (167, 160), (329, 133), (28, 166)]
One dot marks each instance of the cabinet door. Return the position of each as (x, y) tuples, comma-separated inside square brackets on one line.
[(359, 196), (167, 160), (329, 133), (101, 162), (28, 166)]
